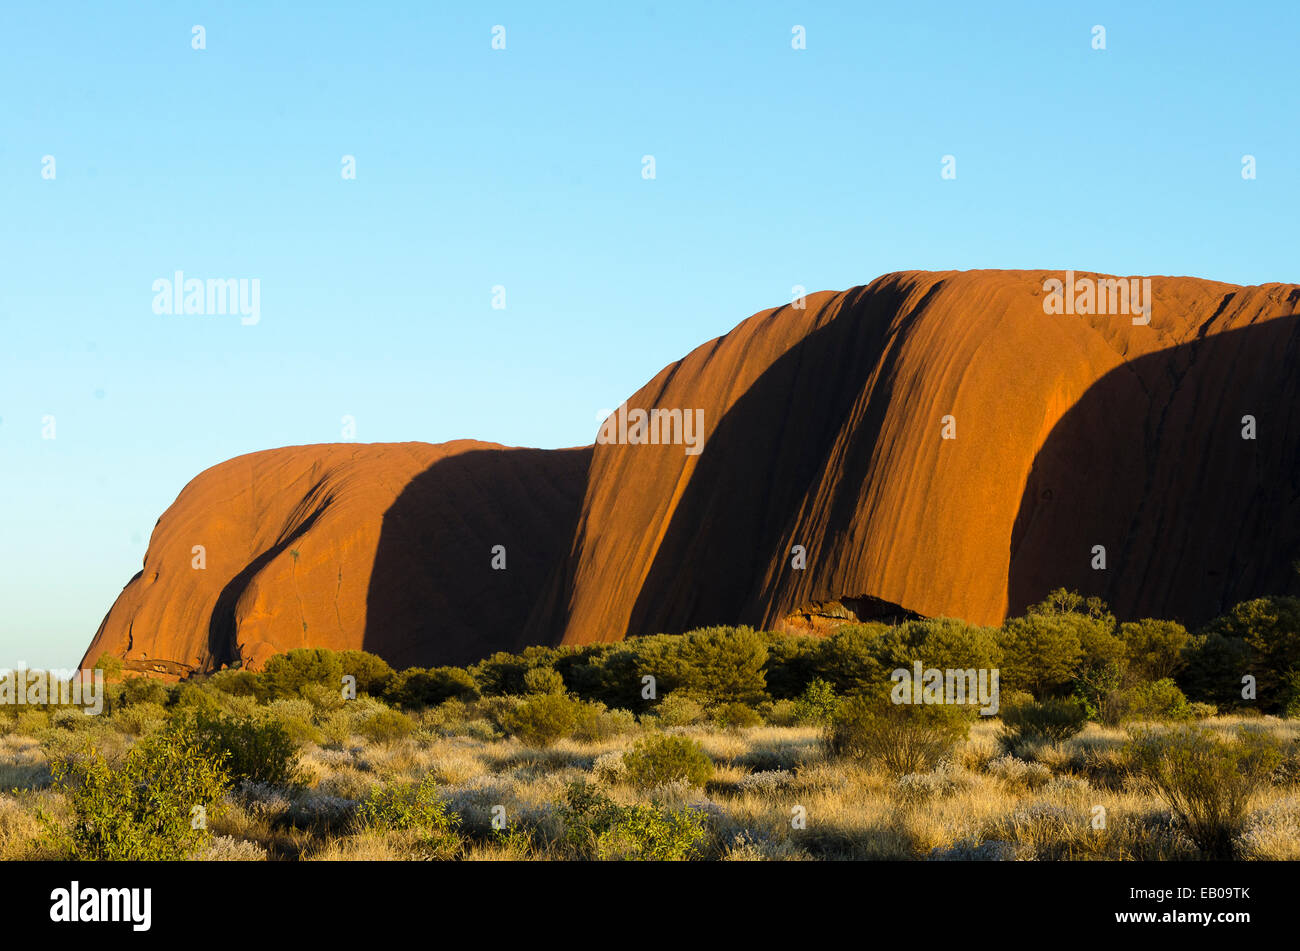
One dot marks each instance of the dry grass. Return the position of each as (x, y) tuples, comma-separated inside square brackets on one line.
[(775, 796)]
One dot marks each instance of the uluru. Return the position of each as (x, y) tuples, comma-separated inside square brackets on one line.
[(932, 443)]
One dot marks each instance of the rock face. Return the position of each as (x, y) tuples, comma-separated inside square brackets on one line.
[(825, 430), (378, 547), (823, 445)]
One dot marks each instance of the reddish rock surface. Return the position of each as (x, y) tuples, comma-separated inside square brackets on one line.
[(823, 430), (382, 547)]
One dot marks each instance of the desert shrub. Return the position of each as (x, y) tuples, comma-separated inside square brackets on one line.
[(1058, 639), (1100, 690), (285, 674), (323, 698), (371, 671), (385, 725), (1018, 774), (412, 807), (850, 659), (416, 687), (817, 704), (542, 719), (1154, 648), (609, 768), (110, 665), (1208, 784), (237, 683), (296, 716), (598, 827), (251, 749), (677, 710), (72, 718), (592, 721), (502, 674), (1270, 629), (900, 737), (735, 716), (448, 718), (1161, 700), (791, 663), (658, 760), (144, 690), (1290, 706), (147, 809), (194, 698), (782, 713), (543, 680), (721, 664), (1214, 665), (944, 643), (1041, 653), (140, 718), (1050, 721)]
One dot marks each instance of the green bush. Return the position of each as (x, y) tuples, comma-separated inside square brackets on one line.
[(412, 807), (1208, 784), (1101, 692), (542, 719), (417, 688), (385, 726), (659, 759), (251, 749), (1042, 653), (598, 827), (677, 710), (1214, 665), (543, 680), (736, 716), (1154, 648), (791, 663), (1161, 700), (592, 722), (284, 674), (502, 674), (144, 690), (139, 719), (854, 657), (371, 671), (153, 807), (782, 713), (901, 737), (324, 699), (1045, 721), (238, 683), (722, 664), (194, 698), (817, 704), (297, 716)]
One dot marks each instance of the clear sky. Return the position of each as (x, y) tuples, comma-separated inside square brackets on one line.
[(522, 168)]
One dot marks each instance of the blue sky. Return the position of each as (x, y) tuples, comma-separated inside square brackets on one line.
[(522, 167)]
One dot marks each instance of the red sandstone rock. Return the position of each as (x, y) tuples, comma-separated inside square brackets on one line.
[(822, 429)]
